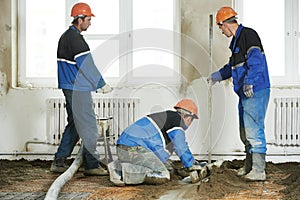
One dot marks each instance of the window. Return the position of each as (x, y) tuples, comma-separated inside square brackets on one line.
[(116, 38), (277, 24), (151, 61), (37, 52)]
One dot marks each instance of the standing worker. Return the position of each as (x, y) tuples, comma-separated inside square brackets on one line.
[(144, 148), (249, 70), (78, 77)]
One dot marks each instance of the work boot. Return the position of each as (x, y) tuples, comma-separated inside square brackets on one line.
[(95, 172), (115, 174), (58, 165), (258, 168), (247, 166), (155, 178)]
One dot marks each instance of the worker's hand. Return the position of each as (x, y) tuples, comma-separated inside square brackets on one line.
[(248, 90), (198, 172), (105, 89), (204, 172), (214, 77), (197, 165), (210, 81)]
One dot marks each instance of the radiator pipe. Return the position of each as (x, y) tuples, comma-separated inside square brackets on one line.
[(60, 181), (36, 142), (16, 153)]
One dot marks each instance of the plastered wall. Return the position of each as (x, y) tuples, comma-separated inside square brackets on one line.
[(5, 47), (195, 26)]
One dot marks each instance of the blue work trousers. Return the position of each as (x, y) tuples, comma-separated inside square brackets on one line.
[(252, 112), (81, 124)]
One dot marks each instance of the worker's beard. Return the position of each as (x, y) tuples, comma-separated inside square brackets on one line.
[(83, 27)]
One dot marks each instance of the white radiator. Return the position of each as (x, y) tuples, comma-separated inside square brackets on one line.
[(287, 121), (123, 111)]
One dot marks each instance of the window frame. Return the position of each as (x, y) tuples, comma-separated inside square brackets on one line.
[(291, 48), (125, 26)]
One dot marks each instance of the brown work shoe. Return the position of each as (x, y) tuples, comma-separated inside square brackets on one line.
[(96, 172)]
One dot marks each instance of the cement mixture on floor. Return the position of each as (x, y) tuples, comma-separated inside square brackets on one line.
[(33, 179)]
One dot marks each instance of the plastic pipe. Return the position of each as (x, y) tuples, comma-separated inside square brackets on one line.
[(60, 181)]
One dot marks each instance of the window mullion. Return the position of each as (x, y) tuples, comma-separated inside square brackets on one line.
[(289, 52), (125, 40), (295, 41), (22, 48), (296, 34)]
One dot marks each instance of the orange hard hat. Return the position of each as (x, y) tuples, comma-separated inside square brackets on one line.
[(81, 9), (224, 13), (188, 105)]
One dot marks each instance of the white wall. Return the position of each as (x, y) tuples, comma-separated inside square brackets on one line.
[(23, 111), (224, 139), (23, 118)]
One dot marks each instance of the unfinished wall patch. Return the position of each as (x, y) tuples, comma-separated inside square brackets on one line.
[(3, 84)]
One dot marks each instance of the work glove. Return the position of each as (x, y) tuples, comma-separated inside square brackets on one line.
[(198, 172), (195, 168), (214, 77), (105, 89), (205, 172), (248, 90)]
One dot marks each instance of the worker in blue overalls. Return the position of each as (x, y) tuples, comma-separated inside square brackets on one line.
[(249, 70)]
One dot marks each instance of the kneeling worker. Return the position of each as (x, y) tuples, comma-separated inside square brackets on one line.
[(144, 148)]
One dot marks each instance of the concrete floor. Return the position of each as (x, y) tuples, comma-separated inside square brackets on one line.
[(41, 196)]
